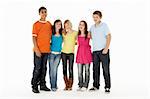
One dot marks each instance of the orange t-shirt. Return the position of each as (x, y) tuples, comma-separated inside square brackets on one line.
[(43, 32)]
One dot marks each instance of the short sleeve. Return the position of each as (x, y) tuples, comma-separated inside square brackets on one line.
[(34, 30), (90, 29), (107, 31)]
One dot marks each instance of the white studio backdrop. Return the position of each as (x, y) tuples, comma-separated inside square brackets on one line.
[(129, 51)]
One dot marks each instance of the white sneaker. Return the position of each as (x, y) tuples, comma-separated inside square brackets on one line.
[(79, 89), (84, 89)]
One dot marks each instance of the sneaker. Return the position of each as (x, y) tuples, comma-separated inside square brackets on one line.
[(79, 89), (44, 88), (93, 89), (107, 90), (35, 90), (83, 89), (54, 89)]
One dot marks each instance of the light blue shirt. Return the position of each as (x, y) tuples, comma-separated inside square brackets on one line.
[(99, 34)]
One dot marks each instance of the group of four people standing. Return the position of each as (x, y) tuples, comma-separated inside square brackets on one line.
[(55, 43)]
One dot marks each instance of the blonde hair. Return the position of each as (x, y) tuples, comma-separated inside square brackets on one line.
[(68, 22)]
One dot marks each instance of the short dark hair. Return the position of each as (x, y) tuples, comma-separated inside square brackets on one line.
[(42, 8), (99, 13)]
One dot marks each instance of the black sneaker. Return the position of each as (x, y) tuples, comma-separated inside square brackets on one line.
[(107, 90), (35, 90), (44, 88), (93, 89)]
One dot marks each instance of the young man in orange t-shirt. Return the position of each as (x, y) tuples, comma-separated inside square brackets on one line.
[(42, 31)]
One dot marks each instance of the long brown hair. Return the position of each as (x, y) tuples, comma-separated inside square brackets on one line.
[(85, 29), (54, 28)]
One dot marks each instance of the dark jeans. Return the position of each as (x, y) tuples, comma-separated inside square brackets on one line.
[(39, 71), (104, 58), (83, 81), (68, 58)]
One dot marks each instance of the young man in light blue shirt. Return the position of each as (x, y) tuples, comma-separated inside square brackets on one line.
[(101, 38)]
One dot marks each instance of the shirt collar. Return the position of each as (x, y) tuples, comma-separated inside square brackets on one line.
[(98, 24), (42, 21)]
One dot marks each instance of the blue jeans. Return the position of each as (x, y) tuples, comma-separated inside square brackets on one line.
[(54, 60)]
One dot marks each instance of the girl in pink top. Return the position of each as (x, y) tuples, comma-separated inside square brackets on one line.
[(84, 56)]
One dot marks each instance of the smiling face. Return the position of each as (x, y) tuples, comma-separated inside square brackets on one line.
[(68, 26), (96, 18), (81, 26), (58, 26), (43, 13)]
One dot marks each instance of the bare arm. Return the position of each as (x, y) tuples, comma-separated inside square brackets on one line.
[(108, 40), (76, 42), (89, 35), (37, 51)]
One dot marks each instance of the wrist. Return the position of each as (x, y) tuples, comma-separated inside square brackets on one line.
[(36, 49), (106, 48)]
